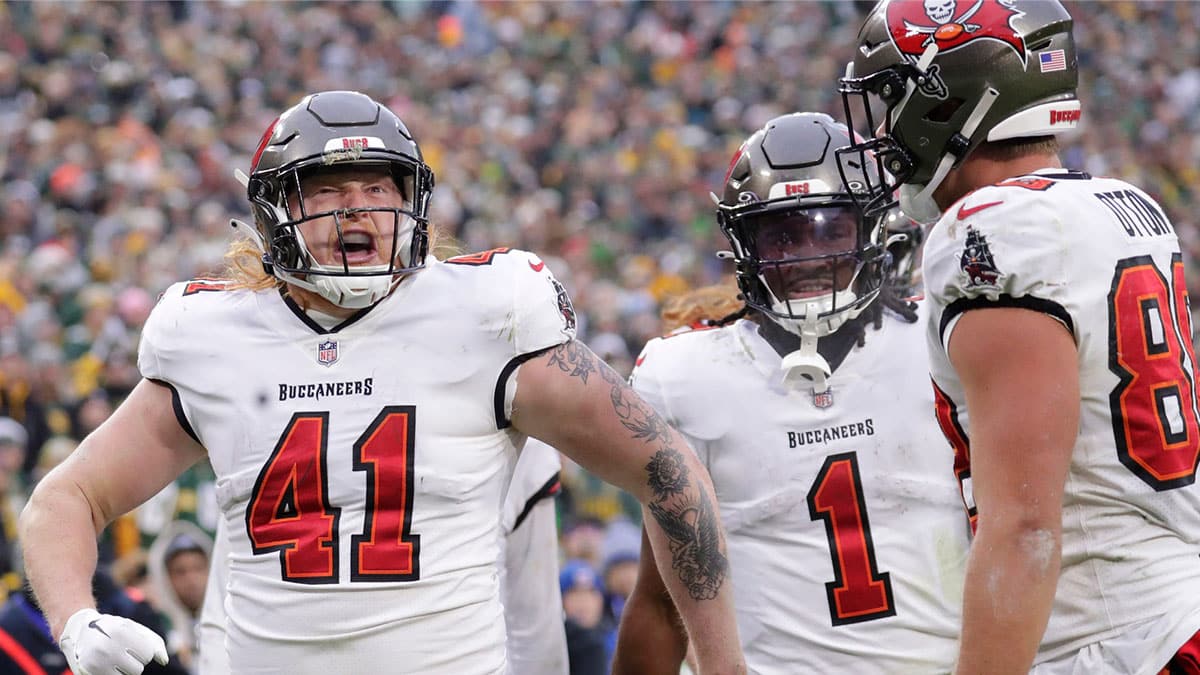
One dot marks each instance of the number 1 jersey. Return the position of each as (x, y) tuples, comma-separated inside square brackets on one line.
[(846, 535), (361, 470), (1100, 256)]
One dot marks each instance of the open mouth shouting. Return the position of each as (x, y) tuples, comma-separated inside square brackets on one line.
[(358, 248)]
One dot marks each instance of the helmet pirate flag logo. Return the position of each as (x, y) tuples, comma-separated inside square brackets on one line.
[(915, 24)]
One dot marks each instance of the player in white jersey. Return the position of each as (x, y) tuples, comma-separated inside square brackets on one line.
[(1060, 343), (836, 488), (362, 405), (537, 643)]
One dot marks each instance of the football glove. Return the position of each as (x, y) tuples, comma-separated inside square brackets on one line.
[(104, 644)]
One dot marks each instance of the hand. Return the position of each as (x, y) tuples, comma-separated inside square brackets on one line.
[(103, 644)]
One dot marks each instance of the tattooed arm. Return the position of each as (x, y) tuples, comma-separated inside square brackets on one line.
[(572, 400)]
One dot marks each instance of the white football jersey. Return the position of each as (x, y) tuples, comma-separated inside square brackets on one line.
[(846, 533), (361, 470), (1100, 256), (537, 640)]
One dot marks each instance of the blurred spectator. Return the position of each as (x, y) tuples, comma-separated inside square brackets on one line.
[(589, 631), (13, 441), (19, 400), (178, 567), (620, 573), (191, 498), (582, 539)]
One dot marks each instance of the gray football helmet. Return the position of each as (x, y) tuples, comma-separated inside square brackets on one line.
[(329, 131), (805, 255), (946, 75)]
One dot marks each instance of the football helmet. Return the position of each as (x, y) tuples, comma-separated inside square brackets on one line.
[(931, 81), (805, 256), (329, 131)]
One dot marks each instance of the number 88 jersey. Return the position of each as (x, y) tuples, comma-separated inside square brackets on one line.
[(1100, 256)]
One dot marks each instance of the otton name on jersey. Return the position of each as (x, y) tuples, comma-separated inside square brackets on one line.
[(1137, 215)]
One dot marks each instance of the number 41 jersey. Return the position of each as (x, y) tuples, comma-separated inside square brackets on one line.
[(1101, 257), (361, 470), (846, 533)]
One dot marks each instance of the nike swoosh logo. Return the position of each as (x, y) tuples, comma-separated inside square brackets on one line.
[(538, 267), (964, 212), (94, 623)]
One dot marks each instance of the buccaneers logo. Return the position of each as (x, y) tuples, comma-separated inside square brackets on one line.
[(951, 24), (564, 304), (976, 262)]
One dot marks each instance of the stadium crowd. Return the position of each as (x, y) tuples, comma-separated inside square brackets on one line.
[(588, 132)]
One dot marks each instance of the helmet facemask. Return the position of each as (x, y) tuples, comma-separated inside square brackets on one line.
[(807, 262), (806, 258), (327, 139), (399, 237)]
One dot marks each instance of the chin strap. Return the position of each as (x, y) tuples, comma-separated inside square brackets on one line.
[(805, 366)]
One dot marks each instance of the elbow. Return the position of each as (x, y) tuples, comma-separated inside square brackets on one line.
[(53, 499), (1031, 537)]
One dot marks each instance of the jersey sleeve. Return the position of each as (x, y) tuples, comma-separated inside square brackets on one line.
[(179, 340), (544, 316), (1001, 247), (647, 381), (539, 316), (150, 348)]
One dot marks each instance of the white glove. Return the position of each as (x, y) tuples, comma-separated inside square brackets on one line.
[(103, 644)]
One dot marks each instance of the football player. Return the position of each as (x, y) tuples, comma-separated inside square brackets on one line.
[(837, 491), (362, 405), (1059, 339)]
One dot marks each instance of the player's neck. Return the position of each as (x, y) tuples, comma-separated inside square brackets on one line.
[(833, 348), (977, 172)]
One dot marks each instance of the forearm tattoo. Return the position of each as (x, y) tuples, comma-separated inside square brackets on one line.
[(682, 508)]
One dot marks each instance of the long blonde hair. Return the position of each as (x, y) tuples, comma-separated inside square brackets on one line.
[(707, 305)]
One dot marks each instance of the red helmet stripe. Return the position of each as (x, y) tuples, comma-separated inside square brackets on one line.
[(262, 144)]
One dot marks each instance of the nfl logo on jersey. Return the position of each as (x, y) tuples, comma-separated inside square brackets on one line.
[(823, 399), (327, 353)]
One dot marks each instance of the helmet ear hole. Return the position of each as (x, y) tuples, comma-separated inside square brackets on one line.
[(944, 111)]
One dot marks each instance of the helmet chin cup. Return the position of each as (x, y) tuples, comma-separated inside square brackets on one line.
[(354, 292), (805, 366), (816, 317), (917, 203)]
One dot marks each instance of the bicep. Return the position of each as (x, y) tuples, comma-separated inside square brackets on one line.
[(1019, 371), (137, 451), (572, 400)]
